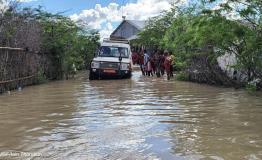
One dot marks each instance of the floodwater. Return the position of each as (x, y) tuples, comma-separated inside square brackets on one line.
[(138, 118)]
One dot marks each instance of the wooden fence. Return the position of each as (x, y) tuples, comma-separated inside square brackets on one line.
[(18, 68)]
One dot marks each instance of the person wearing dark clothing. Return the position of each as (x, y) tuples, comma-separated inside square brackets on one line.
[(141, 62), (168, 65), (158, 63), (135, 57), (154, 62), (172, 64), (162, 66)]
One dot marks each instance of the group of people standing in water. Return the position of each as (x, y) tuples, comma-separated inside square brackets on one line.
[(157, 63)]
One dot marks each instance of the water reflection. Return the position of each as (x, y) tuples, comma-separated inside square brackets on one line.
[(141, 118)]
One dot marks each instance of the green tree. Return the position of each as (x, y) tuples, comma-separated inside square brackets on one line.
[(70, 45), (248, 47), (155, 29)]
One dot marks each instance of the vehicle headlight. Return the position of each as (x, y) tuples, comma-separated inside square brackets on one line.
[(125, 66), (95, 65)]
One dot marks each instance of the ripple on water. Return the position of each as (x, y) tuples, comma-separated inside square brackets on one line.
[(141, 118)]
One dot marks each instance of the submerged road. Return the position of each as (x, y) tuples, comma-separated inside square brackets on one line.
[(137, 118)]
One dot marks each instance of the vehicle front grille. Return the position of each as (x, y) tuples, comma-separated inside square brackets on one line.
[(109, 65)]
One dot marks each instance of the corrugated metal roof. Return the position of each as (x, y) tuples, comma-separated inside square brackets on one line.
[(132, 37), (138, 24)]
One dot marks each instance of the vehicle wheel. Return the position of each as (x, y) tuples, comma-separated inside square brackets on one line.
[(129, 75), (92, 76)]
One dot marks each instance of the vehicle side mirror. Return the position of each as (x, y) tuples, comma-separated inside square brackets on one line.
[(120, 58)]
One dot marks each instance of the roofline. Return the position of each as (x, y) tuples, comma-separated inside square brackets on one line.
[(122, 24), (135, 25)]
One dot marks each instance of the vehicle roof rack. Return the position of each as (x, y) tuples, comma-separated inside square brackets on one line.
[(116, 40)]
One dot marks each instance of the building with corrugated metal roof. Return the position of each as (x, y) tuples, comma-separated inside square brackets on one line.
[(128, 29)]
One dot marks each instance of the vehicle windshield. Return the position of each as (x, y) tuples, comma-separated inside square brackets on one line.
[(110, 51)]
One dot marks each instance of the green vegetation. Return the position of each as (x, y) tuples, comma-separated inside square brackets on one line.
[(251, 87), (203, 28), (67, 45), (71, 45), (40, 78), (182, 76)]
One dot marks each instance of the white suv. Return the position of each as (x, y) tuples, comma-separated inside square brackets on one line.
[(113, 60)]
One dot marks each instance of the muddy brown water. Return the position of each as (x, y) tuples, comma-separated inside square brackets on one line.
[(137, 118)]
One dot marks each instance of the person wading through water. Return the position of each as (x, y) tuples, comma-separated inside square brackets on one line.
[(158, 63), (162, 60), (154, 62), (172, 64), (141, 62), (167, 64), (135, 56), (147, 64)]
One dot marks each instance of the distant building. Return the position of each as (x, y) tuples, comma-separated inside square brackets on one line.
[(128, 29)]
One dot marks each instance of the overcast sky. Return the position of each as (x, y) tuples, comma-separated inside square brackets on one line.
[(105, 15)]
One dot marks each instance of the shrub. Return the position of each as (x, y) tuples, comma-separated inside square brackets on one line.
[(40, 78), (182, 76)]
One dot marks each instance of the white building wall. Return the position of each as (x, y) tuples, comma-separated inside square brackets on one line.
[(226, 62)]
